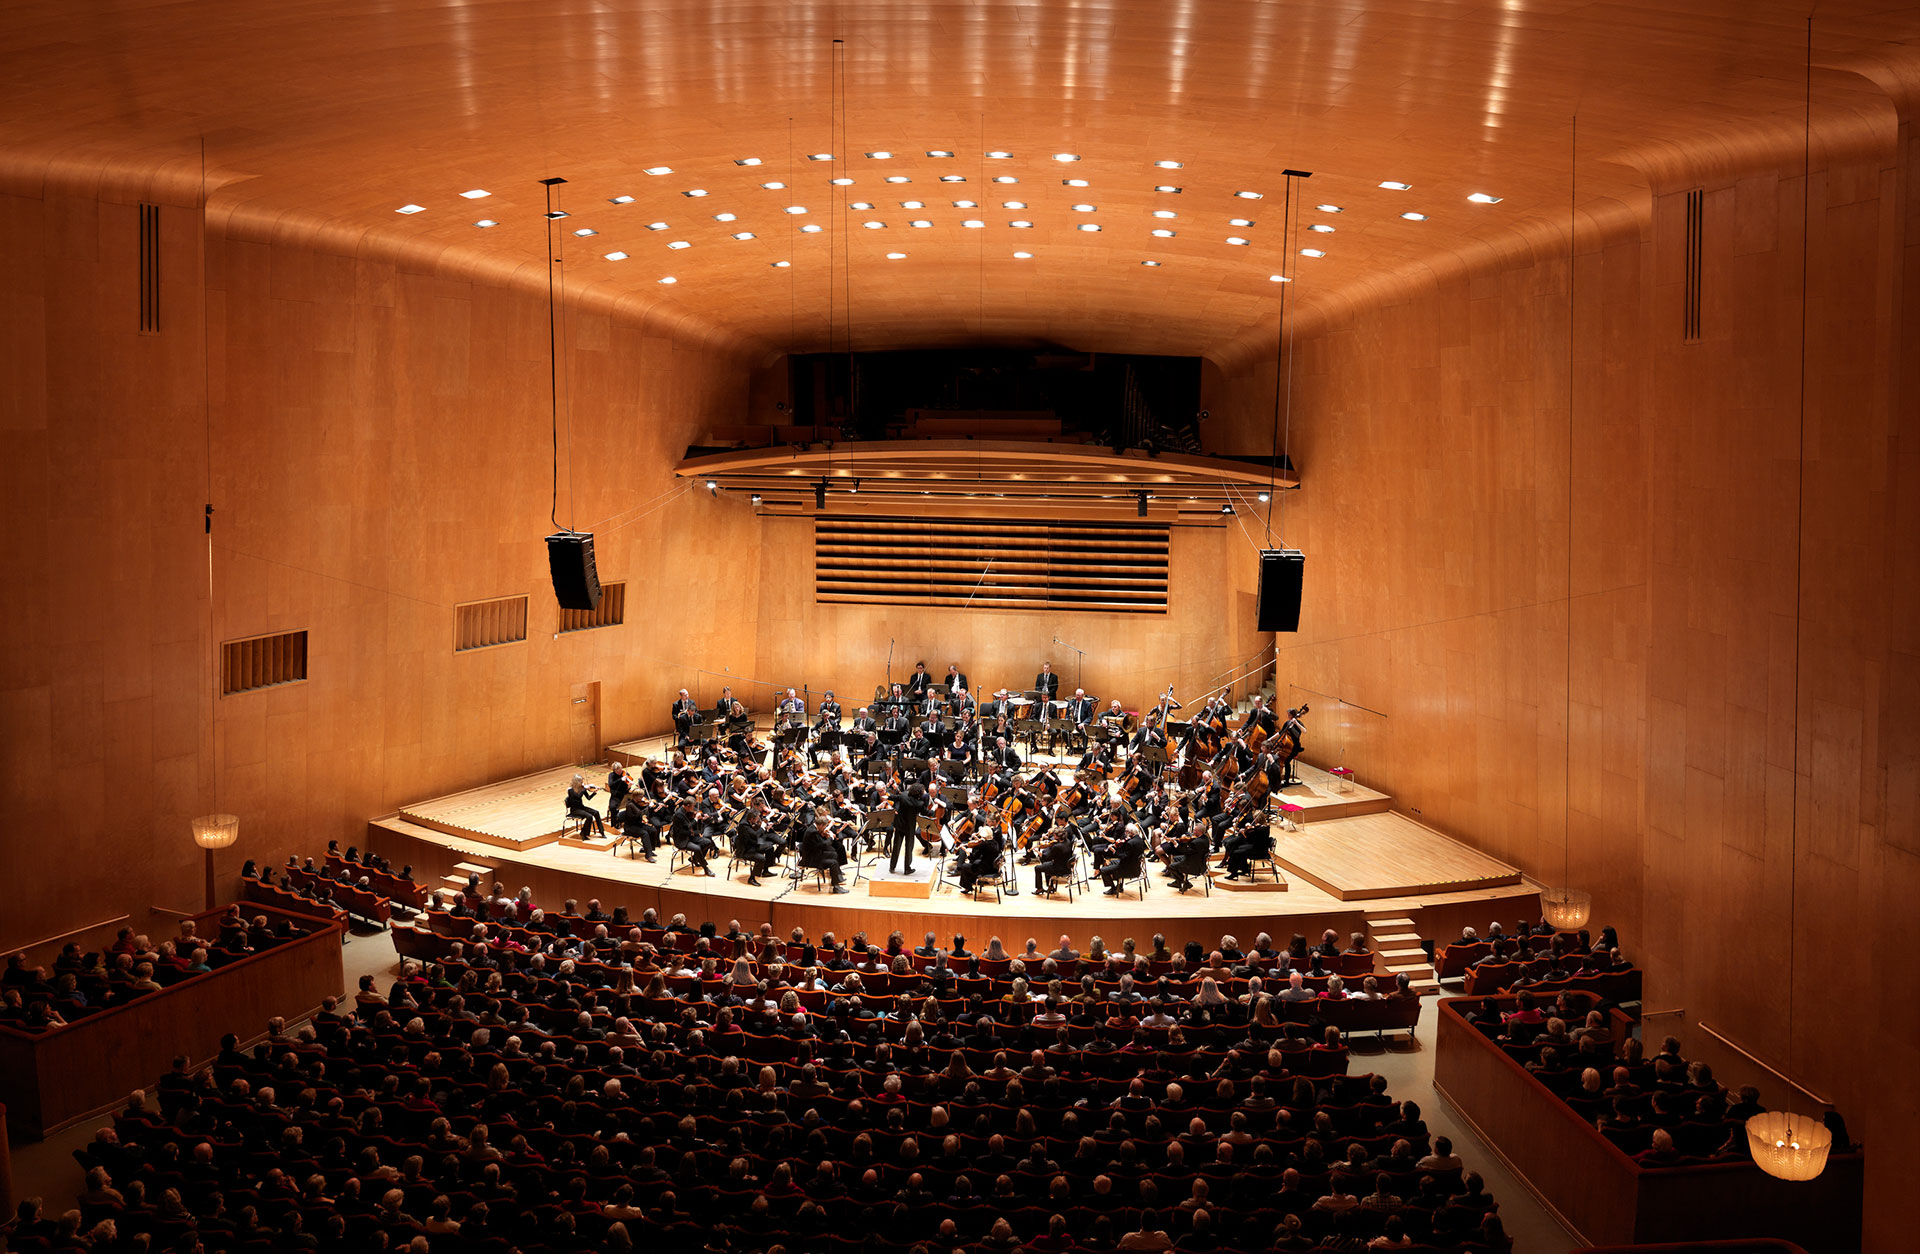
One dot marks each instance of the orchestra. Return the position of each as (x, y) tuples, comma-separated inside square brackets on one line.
[(941, 775)]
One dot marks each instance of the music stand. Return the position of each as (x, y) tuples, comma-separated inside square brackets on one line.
[(789, 736), (954, 795), (919, 766), (876, 821), (1154, 755), (703, 732)]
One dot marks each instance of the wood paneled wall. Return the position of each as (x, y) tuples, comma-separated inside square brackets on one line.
[(1206, 634), (1430, 430), (381, 451)]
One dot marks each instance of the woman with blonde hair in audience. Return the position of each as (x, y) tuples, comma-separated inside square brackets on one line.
[(1336, 989), (1209, 998), (995, 952)]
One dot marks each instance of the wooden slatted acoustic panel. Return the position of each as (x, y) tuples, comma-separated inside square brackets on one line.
[(1100, 566)]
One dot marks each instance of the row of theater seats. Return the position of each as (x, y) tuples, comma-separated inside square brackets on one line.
[(496, 1105)]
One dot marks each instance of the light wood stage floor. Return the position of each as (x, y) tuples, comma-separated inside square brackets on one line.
[(1353, 860)]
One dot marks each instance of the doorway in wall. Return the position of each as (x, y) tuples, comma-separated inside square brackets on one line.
[(585, 721)]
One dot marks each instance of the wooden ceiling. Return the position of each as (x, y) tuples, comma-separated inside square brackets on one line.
[(327, 116)]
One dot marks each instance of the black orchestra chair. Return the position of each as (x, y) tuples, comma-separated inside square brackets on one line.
[(1132, 869), (1193, 866), (1069, 880), (572, 824)]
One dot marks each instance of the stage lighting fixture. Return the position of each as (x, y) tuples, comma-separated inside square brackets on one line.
[(820, 495)]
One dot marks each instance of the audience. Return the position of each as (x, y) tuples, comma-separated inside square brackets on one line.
[(685, 1087)]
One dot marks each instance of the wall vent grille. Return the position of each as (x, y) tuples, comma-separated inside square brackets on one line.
[(262, 662), (484, 624), (611, 612)]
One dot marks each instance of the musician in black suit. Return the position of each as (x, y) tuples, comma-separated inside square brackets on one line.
[(724, 706), (908, 805), (956, 678), (1056, 862), (790, 708), (577, 808), (619, 784), (754, 841), (1046, 681), (685, 711), (1080, 710), (638, 823), (920, 682), (991, 711), (981, 858), (864, 733), (1260, 716), (1123, 860), (894, 728), (1297, 730), (828, 718), (688, 836), (819, 849), (1002, 755), (934, 732)]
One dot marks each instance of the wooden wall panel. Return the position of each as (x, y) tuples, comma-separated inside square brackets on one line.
[(381, 452), (1430, 432)]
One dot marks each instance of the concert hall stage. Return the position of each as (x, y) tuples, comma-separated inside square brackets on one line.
[(1352, 862)]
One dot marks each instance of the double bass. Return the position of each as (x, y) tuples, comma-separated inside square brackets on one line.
[(1287, 744)]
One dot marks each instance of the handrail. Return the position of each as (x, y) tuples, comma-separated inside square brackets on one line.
[(48, 940), (1341, 700), (1751, 1057), (178, 914)]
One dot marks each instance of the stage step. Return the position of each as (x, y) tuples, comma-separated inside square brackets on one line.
[(473, 868)]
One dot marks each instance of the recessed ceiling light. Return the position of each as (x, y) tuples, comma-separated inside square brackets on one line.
[(747, 161), (1013, 204), (973, 222), (1322, 228), (1167, 187), (812, 228), (723, 217), (882, 155), (1084, 208), (796, 208), (1005, 178), (1248, 195), (1329, 208), (616, 256), (1481, 198), (780, 265), (1239, 221), (1073, 182), (551, 215), (819, 156), (774, 187), (841, 182), (659, 169), (896, 256), (913, 204), (920, 222), (862, 205), (1414, 217), (874, 226), (585, 231), (669, 279), (619, 200), (743, 235), (679, 243), (696, 193), (1168, 165), (1149, 263), (484, 223), (999, 156), (1311, 252), (953, 178), (1066, 156), (476, 194), (1165, 213), (1089, 226), (1397, 187), (656, 226), (938, 152), (1020, 224), (1278, 278), (1236, 239), (410, 209), (894, 178), (965, 204), (1022, 256), (1163, 232)]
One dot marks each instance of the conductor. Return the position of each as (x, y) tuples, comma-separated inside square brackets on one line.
[(908, 805)]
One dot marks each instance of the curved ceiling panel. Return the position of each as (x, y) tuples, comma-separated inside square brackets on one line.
[(686, 127)]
